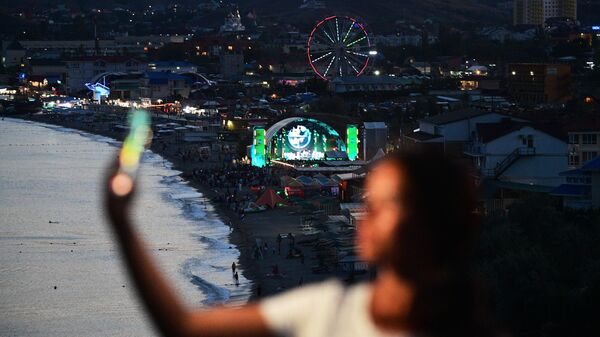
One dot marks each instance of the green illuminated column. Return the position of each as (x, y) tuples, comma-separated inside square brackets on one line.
[(352, 141), (279, 147), (258, 147)]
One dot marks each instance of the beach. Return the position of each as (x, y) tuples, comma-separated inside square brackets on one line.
[(60, 269), (272, 249), (263, 226)]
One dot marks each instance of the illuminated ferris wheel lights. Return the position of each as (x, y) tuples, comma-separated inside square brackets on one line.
[(329, 66), (359, 54), (348, 33), (323, 56), (330, 54), (353, 67), (356, 41)]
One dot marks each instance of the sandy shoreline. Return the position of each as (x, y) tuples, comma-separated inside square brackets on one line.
[(228, 217), (263, 226)]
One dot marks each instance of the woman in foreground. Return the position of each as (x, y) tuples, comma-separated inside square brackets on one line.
[(419, 233)]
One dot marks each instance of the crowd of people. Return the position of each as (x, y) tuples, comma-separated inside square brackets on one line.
[(238, 176)]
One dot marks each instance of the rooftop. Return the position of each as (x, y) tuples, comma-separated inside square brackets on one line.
[(171, 64), (374, 125), (421, 136), (162, 77), (108, 59), (490, 131), (455, 116)]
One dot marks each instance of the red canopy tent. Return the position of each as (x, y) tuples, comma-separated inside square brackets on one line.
[(270, 198)]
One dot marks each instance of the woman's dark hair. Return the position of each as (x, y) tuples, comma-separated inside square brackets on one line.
[(435, 243)]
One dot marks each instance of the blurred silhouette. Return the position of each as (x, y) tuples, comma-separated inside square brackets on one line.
[(419, 233)]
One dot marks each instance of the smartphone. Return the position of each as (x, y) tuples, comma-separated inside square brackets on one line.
[(139, 136)]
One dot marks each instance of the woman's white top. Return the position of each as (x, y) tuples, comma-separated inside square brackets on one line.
[(326, 309)]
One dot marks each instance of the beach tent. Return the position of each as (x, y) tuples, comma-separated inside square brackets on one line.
[(324, 181), (271, 199), (307, 181), (284, 180), (291, 182)]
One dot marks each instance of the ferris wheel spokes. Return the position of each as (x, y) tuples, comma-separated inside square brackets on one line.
[(322, 57), (329, 66), (338, 46)]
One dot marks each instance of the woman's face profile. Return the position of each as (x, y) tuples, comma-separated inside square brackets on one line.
[(376, 232)]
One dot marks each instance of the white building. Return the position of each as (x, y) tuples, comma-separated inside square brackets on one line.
[(459, 125), (518, 152), (233, 23), (584, 145), (89, 69)]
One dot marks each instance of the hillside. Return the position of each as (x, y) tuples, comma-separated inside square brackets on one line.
[(380, 14)]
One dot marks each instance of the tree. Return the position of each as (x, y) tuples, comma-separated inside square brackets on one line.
[(541, 264)]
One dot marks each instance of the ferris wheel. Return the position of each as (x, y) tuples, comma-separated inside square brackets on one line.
[(338, 46)]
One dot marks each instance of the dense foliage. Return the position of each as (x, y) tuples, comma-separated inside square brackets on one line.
[(542, 266)]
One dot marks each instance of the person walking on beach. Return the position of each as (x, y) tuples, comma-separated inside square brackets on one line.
[(419, 230), (236, 278), (233, 266)]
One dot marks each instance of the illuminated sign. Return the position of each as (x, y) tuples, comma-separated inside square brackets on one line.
[(258, 148), (352, 141), (595, 27), (299, 137)]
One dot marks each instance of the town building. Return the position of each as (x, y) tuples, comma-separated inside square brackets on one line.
[(518, 152), (374, 139), (347, 84), (450, 131), (120, 45), (537, 83), (584, 144), (173, 66), (231, 64), (581, 188), (46, 72), (536, 12), (13, 55), (233, 24), (90, 69), (161, 85)]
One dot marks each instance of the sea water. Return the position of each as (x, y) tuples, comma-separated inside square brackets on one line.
[(61, 273)]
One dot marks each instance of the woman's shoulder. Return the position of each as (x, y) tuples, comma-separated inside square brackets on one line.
[(308, 292), (315, 301)]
